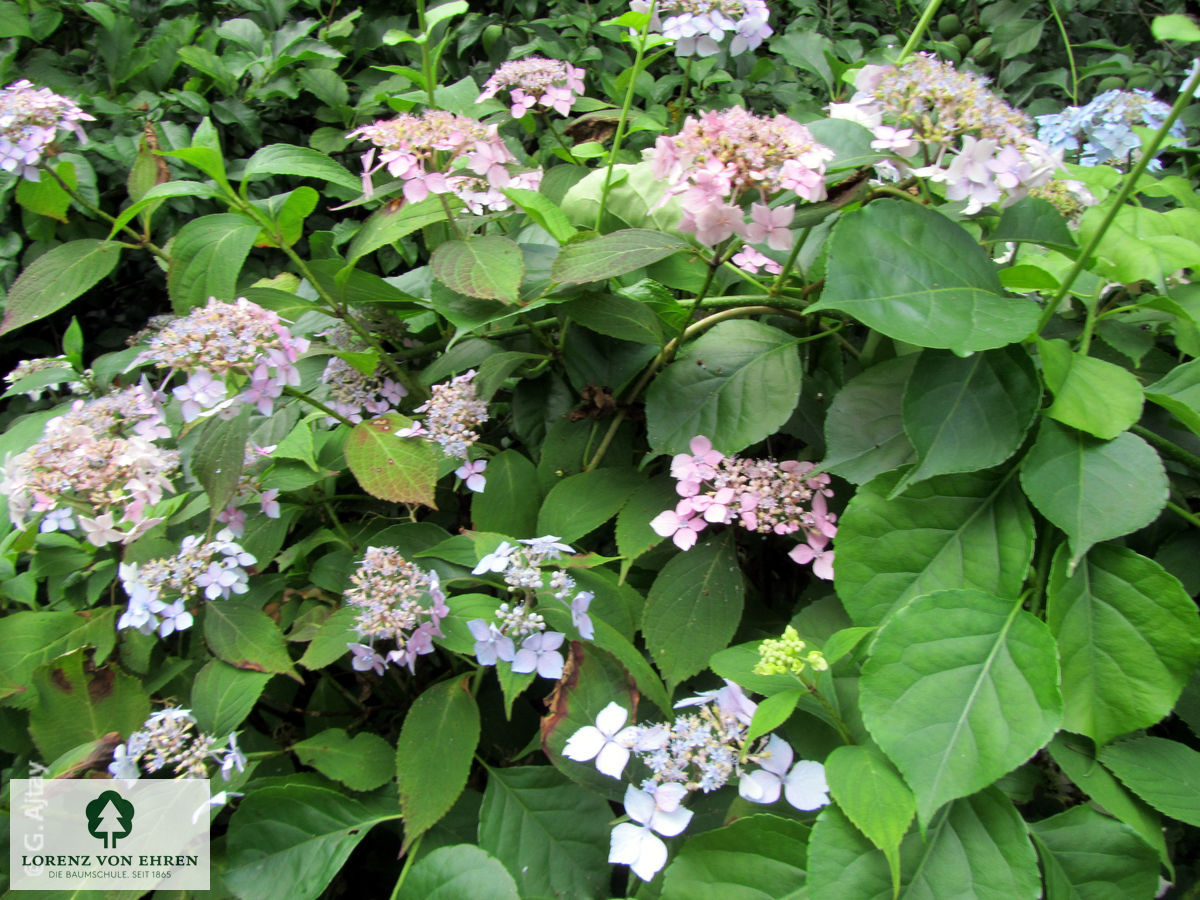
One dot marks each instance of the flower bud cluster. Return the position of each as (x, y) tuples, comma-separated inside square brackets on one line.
[(698, 751), (30, 118), (227, 342), (96, 468), (1102, 131), (761, 495), (452, 413), (722, 158), (160, 589), (698, 27), (351, 393), (60, 365), (786, 656), (948, 126), (398, 602), (170, 738), (548, 83), (439, 152)]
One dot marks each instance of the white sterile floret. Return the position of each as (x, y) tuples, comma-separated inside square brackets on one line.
[(608, 741), (637, 846), (805, 786), (763, 785)]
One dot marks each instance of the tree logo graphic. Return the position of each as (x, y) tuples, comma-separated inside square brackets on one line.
[(109, 816)]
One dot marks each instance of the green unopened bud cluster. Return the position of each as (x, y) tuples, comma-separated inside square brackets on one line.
[(786, 655)]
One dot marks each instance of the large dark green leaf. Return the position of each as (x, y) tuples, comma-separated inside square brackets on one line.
[(864, 427), (1088, 856), (489, 267), (511, 498), (453, 873), (1033, 220), (1164, 773), (56, 278), (967, 413), (693, 607), (842, 863), (388, 225), (583, 502), (362, 762), (289, 841), (222, 696), (873, 796), (613, 254), (961, 687), (736, 384), (916, 276), (1089, 394), (217, 457), (206, 259), (1179, 392), (760, 857), (954, 531), (286, 159), (30, 639), (1128, 640), (550, 833), (244, 636), (434, 753), (1092, 489)]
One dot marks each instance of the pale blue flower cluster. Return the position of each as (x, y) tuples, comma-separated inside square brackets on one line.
[(1102, 131)]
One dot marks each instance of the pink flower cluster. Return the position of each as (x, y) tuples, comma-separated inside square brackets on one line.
[(96, 469), (439, 152), (224, 342), (699, 26), (396, 601), (30, 118), (947, 126), (761, 495), (452, 414), (548, 83), (725, 157), (351, 393)]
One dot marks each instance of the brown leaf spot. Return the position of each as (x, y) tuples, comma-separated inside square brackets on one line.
[(101, 685), (59, 679)]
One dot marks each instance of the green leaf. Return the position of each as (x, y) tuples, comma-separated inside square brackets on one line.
[(434, 753), (290, 840), (613, 254), (388, 225), (1088, 856), (74, 707), (759, 857), (1035, 221), (403, 470), (693, 607), (582, 503), (1128, 640), (489, 267), (1072, 479), (155, 195), (914, 275), (451, 873), (617, 316), (737, 384), (14, 22), (47, 197), (954, 531), (980, 848), (222, 696), (1079, 764), (634, 534), (873, 796), (1176, 27), (549, 832), (961, 687), (864, 426), (1166, 774), (1089, 394), (510, 499), (330, 642), (245, 637), (773, 711), (543, 211), (443, 12), (286, 159), (31, 639), (964, 414), (362, 763), (206, 258), (56, 278), (1178, 392), (217, 457), (842, 863)]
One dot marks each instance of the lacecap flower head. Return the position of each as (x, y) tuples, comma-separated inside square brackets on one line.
[(546, 83), (700, 27), (30, 118)]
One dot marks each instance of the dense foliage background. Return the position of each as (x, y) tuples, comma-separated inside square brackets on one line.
[(963, 395)]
